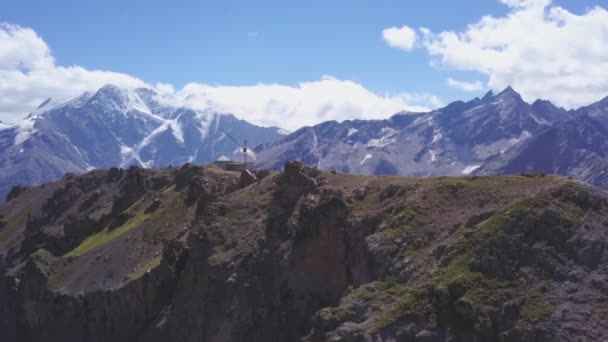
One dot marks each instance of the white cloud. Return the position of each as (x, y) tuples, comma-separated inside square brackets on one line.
[(30, 75), (526, 3), (307, 103), (403, 38), (22, 49), (542, 50), (465, 86)]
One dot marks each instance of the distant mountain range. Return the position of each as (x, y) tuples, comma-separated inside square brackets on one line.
[(577, 147), (116, 127), (497, 134)]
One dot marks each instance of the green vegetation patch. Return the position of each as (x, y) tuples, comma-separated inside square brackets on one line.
[(534, 306), (337, 315), (172, 214), (384, 301), (107, 235), (484, 292), (457, 271), (570, 212), (392, 301), (410, 302), (409, 225), (494, 224), (478, 290)]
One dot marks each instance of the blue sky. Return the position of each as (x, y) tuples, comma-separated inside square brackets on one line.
[(236, 43), (246, 42)]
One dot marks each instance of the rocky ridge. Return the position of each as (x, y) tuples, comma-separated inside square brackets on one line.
[(193, 254)]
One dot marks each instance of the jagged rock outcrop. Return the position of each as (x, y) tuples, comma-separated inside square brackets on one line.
[(132, 188), (15, 191), (303, 255)]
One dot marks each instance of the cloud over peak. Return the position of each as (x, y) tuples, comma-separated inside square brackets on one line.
[(306, 103), (23, 49), (465, 86), (29, 75), (543, 50)]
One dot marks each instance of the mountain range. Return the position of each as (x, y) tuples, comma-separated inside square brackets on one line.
[(116, 127), (575, 147), (496, 134)]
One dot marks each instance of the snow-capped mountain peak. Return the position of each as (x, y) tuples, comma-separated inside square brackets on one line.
[(452, 140), (115, 126), (120, 99)]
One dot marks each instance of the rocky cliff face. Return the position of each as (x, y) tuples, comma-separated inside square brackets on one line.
[(192, 254)]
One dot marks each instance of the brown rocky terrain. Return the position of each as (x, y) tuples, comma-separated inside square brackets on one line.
[(201, 254)]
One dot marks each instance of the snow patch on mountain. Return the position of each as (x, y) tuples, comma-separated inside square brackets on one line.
[(387, 131), (437, 135), (125, 152), (136, 153), (538, 121), (381, 142), (134, 102), (220, 138), (351, 131), (423, 119), (74, 102), (25, 129), (469, 169), (499, 146), (43, 107), (433, 155), (523, 136), (282, 131), (386, 139), (120, 100), (205, 120), (366, 158), (177, 131)]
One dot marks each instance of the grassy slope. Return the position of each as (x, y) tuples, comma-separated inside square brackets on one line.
[(423, 218)]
